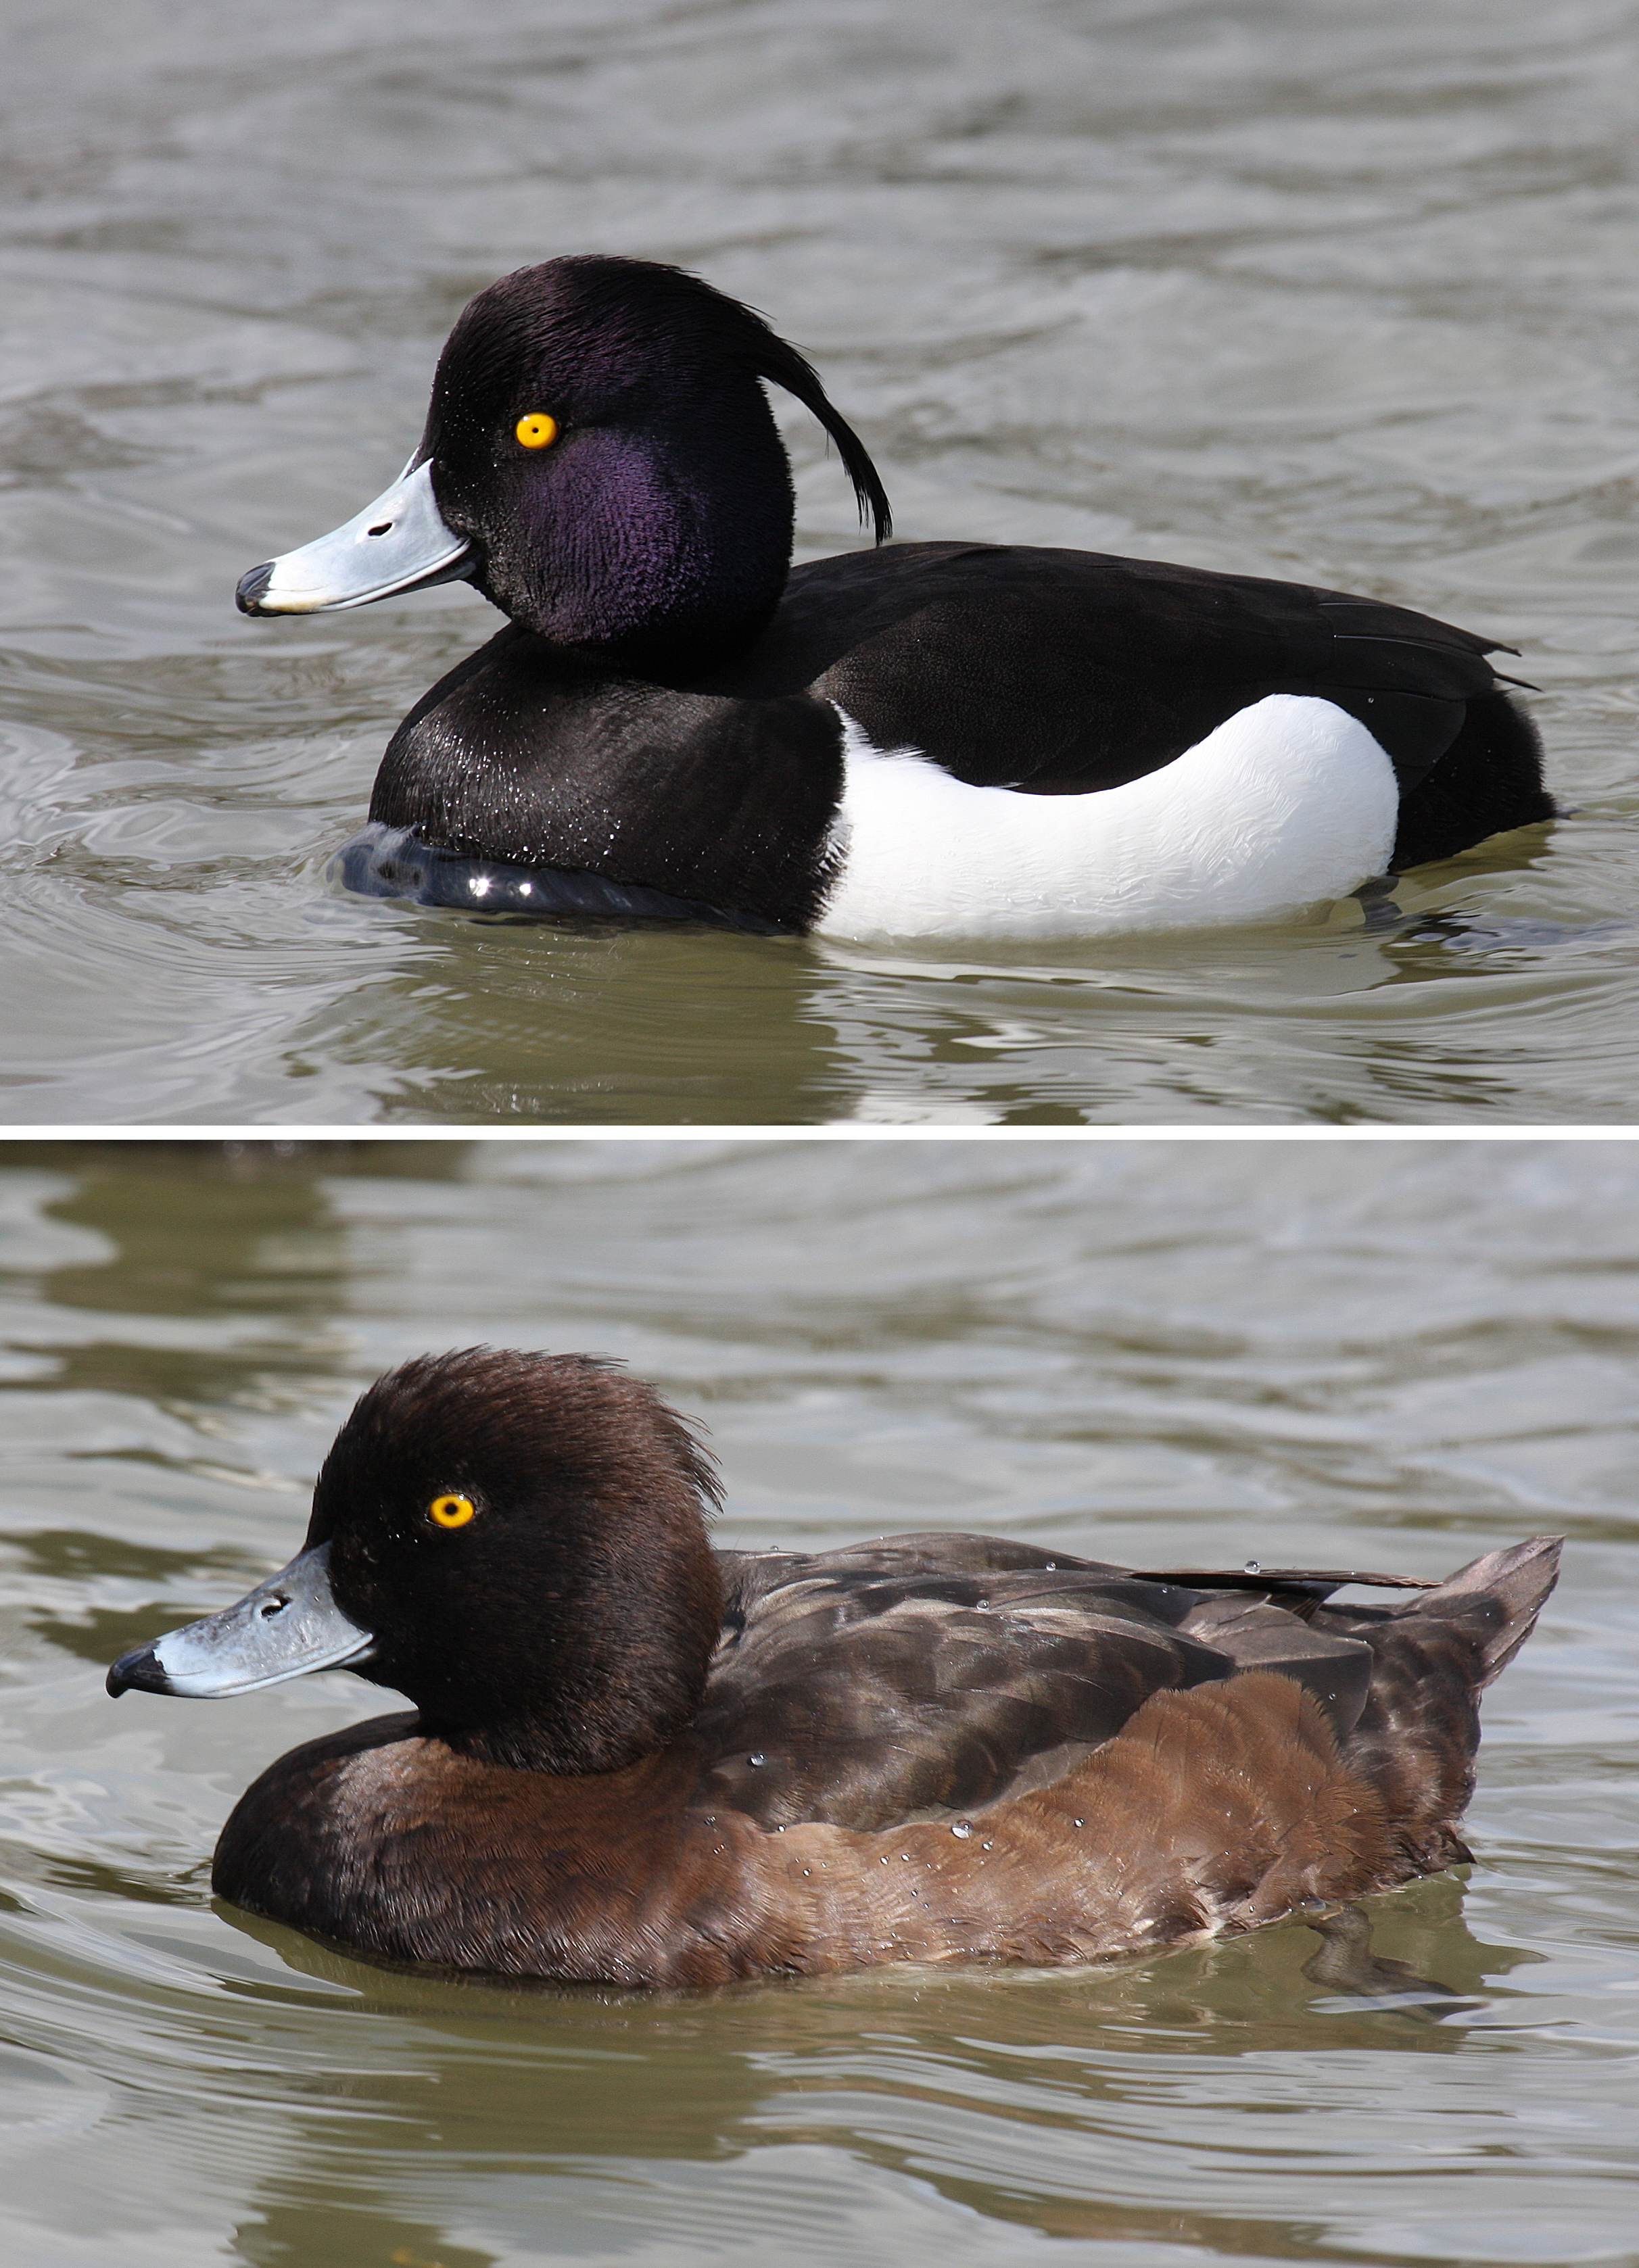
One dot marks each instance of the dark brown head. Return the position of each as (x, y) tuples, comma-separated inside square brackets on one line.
[(522, 1535)]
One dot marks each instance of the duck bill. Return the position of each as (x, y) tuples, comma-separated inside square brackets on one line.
[(285, 1627), (400, 542)]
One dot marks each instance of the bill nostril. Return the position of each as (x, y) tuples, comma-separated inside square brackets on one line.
[(271, 1607), (385, 528)]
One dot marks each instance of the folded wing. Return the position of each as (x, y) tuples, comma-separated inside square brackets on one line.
[(926, 1676)]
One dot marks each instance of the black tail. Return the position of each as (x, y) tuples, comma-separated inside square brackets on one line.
[(1487, 781)]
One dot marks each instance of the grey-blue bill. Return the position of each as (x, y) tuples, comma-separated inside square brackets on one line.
[(284, 1627), (400, 542)]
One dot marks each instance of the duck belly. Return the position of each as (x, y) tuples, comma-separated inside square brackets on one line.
[(1288, 802)]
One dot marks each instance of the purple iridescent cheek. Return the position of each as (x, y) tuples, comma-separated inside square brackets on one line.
[(589, 541)]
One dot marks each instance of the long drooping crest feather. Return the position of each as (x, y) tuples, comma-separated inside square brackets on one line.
[(772, 358), (751, 339)]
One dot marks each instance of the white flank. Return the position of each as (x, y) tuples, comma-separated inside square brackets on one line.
[(1288, 803)]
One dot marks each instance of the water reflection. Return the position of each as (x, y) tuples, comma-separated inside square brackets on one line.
[(942, 2077), (559, 1024)]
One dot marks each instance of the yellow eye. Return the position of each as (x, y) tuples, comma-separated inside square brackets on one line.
[(536, 431), (452, 1511)]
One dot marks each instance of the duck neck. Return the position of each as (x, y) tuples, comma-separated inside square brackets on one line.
[(550, 1746)]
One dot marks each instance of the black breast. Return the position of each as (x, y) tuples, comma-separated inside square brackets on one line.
[(521, 758)]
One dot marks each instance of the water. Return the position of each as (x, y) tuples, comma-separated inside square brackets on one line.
[(1299, 287), (1395, 1355)]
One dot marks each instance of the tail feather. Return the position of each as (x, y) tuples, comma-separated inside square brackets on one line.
[(1489, 781), (1504, 1591), (1433, 1657)]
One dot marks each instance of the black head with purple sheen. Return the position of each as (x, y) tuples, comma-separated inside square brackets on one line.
[(655, 531)]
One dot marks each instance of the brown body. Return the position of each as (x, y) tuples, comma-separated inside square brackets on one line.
[(1215, 1809), (940, 1748)]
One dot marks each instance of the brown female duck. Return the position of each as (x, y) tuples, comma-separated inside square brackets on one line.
[(636, 1761)]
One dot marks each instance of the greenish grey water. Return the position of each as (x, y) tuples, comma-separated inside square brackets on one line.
[(1393, 1355), (1303, 289)]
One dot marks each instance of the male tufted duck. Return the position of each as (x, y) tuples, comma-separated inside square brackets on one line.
[(636, 1761), (937, 738)]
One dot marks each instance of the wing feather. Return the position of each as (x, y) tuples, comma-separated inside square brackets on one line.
[(923, 1676)]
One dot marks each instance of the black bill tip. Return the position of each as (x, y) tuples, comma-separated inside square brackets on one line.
[(139, 1671), (253, 588)]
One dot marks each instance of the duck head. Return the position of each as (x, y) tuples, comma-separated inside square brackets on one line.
[(515, 1541), (600, 460)]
